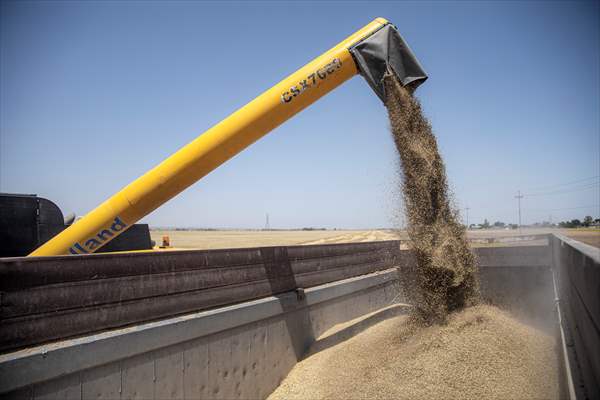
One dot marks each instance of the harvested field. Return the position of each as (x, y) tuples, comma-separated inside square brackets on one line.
[(482, 353), (222, 239), (588, 236), (365, 236), (239, 238)]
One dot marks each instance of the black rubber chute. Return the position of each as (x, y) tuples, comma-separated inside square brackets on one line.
[(383, 51)]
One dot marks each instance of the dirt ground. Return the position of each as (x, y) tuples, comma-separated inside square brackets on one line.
[(589, 236), (482, 353)]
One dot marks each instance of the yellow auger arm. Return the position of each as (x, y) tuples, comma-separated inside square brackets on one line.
[(372, 51)]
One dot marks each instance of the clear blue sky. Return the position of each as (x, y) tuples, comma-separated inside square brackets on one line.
[(93, 94)]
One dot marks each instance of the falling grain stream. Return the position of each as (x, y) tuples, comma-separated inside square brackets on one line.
[(450, 345)]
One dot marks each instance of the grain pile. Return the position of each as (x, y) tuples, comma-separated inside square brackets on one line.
[(480, 353), (444, 276)]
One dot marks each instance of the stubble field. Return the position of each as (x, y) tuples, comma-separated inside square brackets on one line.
[(246, 238), (221, 239)]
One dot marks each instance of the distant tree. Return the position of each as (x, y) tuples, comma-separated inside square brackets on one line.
[(570, 224), (486, 224), (587, 221), (513, 226), (499, 224), (574, 223)]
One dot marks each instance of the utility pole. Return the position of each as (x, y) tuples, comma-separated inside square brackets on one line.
[(467, 212), (519, 196), (267, 225)]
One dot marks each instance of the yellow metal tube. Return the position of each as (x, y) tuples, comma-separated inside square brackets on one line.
[(211, 149)]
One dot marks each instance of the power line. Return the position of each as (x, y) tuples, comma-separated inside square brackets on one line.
[(566, 183), (563, 209), (578, 188)]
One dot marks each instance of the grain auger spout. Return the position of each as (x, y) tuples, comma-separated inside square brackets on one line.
[(370, 52), (386, 51)]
